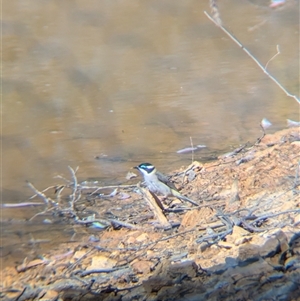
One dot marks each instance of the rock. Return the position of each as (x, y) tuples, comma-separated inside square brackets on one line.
[(248, 253), (142, 237), (238, 236), (78, 254), (187, 268), (50, 295), (130, 240), (296, 143), (141, 266), (196, 217), (101, 262), (168, 274), (269, 248), (292, 263), (225, 244)]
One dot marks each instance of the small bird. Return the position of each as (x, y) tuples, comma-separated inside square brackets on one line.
[(159, 183)]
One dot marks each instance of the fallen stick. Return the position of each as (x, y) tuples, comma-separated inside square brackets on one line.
[(26, 204), (156, 209)]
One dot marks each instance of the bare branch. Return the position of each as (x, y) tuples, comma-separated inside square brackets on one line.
[(273, 57), (253, 58), (46, 200)]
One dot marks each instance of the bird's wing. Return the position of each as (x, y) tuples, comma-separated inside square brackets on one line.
[(165, 179)]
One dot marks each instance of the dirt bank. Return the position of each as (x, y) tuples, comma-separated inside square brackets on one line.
[(241, 243)]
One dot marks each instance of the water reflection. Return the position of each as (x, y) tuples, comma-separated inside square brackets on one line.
[(133, 81)]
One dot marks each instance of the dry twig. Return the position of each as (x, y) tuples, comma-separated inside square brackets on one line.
[(253, 58)]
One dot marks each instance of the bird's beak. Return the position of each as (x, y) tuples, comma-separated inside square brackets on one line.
[(136, 167)]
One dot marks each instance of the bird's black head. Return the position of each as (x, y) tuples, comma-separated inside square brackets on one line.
[(145, 168)]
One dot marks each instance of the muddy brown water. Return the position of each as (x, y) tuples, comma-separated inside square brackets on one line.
[(130, 82)]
